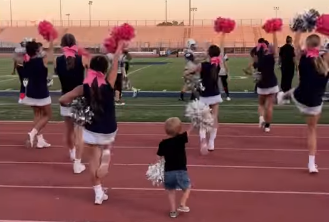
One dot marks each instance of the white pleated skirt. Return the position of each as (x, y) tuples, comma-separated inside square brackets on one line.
[(312, 111), (268, 91), (36, 102), (211, 100), (98, 138)]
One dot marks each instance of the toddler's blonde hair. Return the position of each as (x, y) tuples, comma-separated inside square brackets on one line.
[(173, 126)]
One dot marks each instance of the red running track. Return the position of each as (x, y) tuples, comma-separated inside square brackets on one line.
[(251, 177)]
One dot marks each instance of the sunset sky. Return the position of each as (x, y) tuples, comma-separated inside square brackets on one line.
[(154, 9)]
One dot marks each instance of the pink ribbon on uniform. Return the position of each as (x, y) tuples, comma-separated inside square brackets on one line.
[(312, 52), (26, 57), (91, 75), (70, 51), (260, 45), (215, 60)]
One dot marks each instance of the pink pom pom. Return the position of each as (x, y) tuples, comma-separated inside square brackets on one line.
[(273, 25), (83, 52), (47, 30), (322, 24), (110, 45), (124, 32), (224, 25)]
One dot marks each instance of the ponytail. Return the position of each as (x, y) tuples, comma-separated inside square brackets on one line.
[(70, 63), (320, 65), (95, 98)]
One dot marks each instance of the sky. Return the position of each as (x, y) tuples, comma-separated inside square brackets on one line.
[(154, 9)]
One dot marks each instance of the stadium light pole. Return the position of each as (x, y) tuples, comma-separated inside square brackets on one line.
[(11, 13), (276, 9), (166, 11), (189, 12), (68, 19), (193, 10), (90, 3), (60, 13)]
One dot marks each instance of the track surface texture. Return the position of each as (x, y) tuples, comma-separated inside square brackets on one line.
[(250, 177)]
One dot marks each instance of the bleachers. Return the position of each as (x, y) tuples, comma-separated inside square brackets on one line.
[(152, 36)]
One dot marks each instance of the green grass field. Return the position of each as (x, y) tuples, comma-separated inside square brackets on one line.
[(148, 77), (158, 110)]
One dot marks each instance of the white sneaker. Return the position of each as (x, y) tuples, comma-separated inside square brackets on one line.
[(184, 209), (279, 98), (30, 140), (228, 99), (211, 146), (99, 199), (267, 129), (78, 168), (204, 147), (313, 168), (261, 122), (42, 143)]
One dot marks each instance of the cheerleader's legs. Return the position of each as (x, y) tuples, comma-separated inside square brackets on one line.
[(265, 110), (69, 136), (42, 116), (100, 157), (312, 121), (213, 132)]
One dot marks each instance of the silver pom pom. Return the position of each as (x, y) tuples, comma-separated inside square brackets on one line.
[(193, 82), (155, 173), (200, 115), (305, 21), (257, 76), (81, 112)]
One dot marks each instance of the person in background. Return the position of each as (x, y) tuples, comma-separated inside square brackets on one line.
[(287, 62), (18, 65), (224, 71)]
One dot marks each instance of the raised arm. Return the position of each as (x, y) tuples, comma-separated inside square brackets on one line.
[(111, 78), (275, 45)]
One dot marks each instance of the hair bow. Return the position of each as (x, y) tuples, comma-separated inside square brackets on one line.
[(26, 57), (70, 51), (260, 45), (312, 52), (91, 75), (215, 60)]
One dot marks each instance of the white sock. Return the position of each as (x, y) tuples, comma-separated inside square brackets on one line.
[(34, 132), (77, 161), (40, 137), (202, 134), (98, 190), (213, 135), (261, 119), (311, 159)]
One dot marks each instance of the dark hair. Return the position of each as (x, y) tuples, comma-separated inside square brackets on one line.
[(214, 51), (99, 64), (68, 40), (32, 48), (288, 39), (261, 40), (39, 44)]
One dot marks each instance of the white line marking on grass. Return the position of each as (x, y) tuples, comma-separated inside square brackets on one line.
[(145, 67), (314, 193), (6, 80)]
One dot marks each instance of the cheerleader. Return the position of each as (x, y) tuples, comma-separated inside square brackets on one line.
[(99, 135), (211, 95), (18, 65), (224, 71), (37, 93), (313, 77), (267, 85), (70, 68)]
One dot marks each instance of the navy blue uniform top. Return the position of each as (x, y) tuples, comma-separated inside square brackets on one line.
[(209, 81), (69, 78), (312, 84), (37, 74), (266, 66), (173, 151), (104, 122)]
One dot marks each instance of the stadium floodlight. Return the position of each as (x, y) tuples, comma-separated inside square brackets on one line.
[(90, 3), (276, 9), (10, 11), (68, 19)]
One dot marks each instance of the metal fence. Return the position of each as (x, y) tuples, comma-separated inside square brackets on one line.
[(95, 23)]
